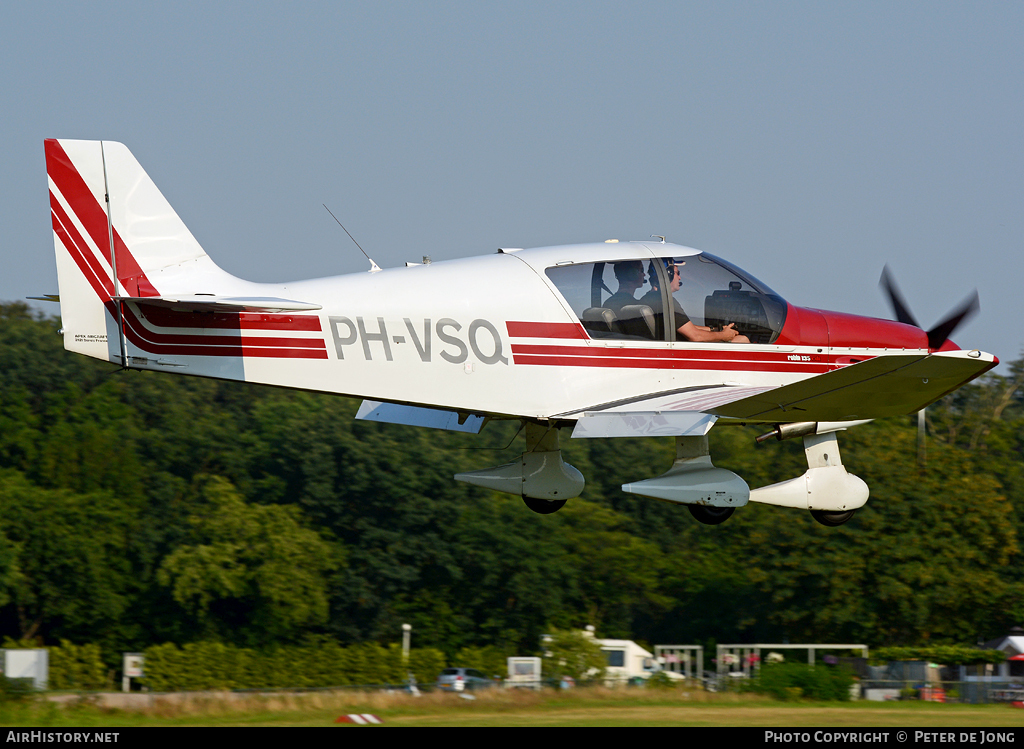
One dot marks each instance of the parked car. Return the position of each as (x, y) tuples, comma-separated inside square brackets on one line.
[(462, 679)]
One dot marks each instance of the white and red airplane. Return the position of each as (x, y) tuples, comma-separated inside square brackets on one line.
[(567, 337)]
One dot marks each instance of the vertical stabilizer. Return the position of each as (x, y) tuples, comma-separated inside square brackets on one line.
[(110, 219)]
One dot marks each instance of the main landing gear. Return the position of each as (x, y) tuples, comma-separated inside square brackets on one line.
[(544, 506), (710, 515), (710, 494), (540, 476)]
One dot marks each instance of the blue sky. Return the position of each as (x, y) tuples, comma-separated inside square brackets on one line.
[(810, 143)]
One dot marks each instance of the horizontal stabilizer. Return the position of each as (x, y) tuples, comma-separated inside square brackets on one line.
[(644, 424), (887, 385), (417, 416), (211, 303)]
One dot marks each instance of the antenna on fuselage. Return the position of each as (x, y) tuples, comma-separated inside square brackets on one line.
[(373, 266)]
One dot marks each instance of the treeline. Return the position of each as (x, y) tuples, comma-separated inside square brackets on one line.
[(142, 508)]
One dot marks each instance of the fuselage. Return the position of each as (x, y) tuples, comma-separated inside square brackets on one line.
[(495, 335)]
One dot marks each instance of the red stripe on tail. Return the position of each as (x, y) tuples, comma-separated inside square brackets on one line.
[(94, 218)]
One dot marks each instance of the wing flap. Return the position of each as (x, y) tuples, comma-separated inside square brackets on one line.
[(419, 416), (675, 414), (644, 424)]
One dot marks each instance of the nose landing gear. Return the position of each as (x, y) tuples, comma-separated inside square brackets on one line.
[(832, 519)]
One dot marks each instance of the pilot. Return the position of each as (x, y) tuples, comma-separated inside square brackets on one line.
[(630, 275), (684, 327)]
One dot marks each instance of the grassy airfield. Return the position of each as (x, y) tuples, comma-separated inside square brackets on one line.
[(582, 707)]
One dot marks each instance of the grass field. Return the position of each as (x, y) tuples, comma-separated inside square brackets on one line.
[(581, 707)]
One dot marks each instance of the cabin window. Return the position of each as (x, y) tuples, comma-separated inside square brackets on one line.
[(612, 300)]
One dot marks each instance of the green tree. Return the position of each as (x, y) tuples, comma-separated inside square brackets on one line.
[(573, 654), (248, 566), (70, 571), (618, 573)]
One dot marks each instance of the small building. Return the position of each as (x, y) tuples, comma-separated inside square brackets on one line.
[(1013, 667)]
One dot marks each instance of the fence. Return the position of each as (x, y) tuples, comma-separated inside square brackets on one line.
[(974, 692), (965, 692)]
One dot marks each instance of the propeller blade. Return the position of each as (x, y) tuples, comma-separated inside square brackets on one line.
[(939, 334), (899, 304), (943, 330)]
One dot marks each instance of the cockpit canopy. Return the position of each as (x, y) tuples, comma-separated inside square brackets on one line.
[(626, 299)]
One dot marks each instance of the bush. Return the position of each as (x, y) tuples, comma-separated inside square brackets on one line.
[(490, 660), (660, 680), (15, 689), (787, 681), (77, 667), (950, 655), (211, 665)]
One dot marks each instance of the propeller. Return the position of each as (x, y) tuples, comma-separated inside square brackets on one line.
[(941, 331), (936, 336)]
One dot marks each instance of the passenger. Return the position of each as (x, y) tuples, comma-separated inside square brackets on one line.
[(630, 275), (683, 325)]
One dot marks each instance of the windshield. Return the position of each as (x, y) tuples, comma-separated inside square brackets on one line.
[(625, 299), (714, 293), (740, 273)]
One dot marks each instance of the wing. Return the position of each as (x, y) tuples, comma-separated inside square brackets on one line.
[(887, 385)]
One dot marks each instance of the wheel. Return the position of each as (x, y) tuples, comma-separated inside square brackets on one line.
[(544, 506), (832, 519), (710, 515)]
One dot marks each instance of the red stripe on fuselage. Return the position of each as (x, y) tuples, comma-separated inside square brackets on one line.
[(168, 318), (310, 348), (546, 330), (94, 218), (640, 363), (217, 340), (226, 340), (724, 351)]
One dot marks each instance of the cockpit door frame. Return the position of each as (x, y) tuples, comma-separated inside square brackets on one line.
[(667, 313)]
